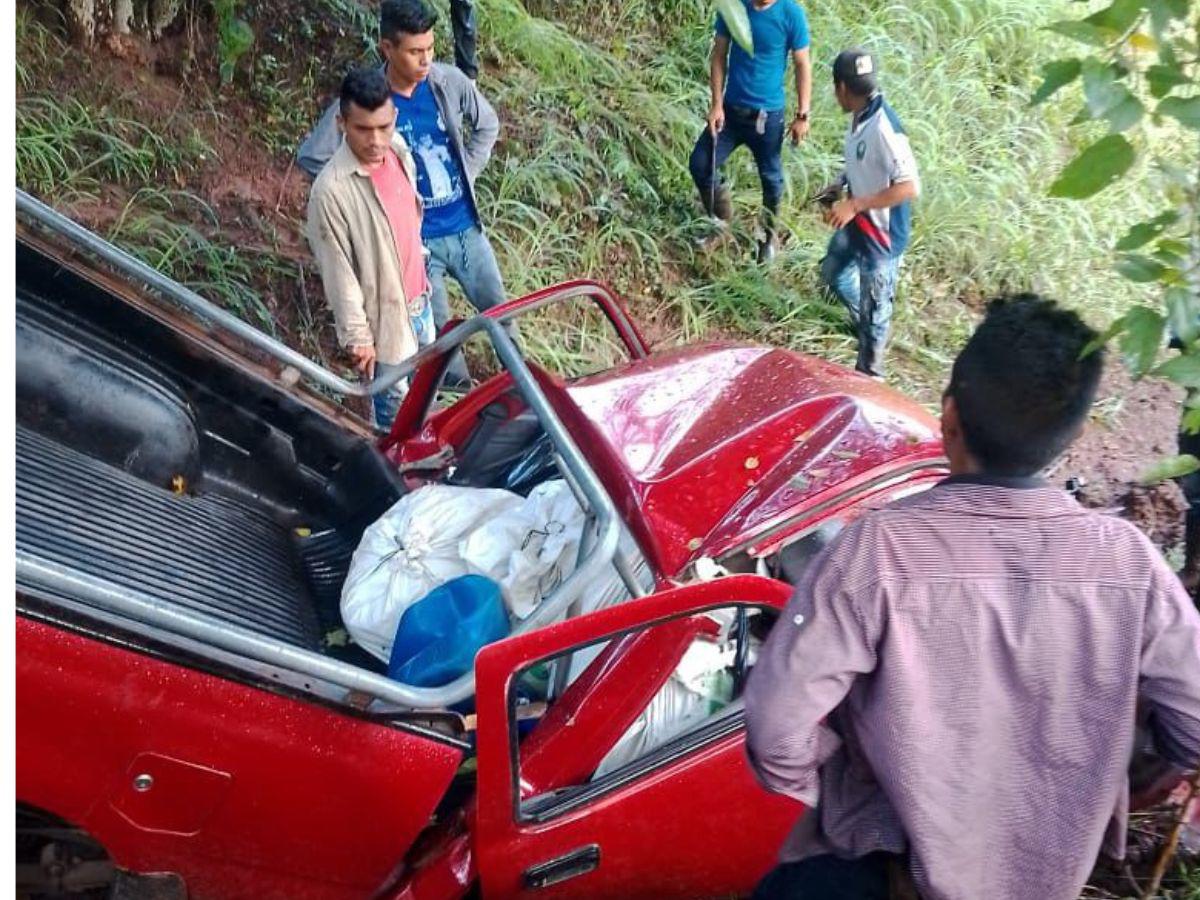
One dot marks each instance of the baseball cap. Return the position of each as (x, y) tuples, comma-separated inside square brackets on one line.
[(855, 68)]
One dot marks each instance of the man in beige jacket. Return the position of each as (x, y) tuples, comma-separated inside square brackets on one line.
[(364, 226)]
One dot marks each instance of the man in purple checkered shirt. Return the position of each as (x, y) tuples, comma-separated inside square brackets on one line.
[(953, 687)]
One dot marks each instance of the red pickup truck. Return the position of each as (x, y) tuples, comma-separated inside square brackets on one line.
[(188, 498)]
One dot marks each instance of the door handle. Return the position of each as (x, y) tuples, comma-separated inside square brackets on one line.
[(570, 865)]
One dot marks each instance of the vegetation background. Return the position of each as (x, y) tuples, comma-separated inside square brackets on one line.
[(601, 102), (176, 140)]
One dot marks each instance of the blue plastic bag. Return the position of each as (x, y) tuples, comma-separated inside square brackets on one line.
[(439, 635)]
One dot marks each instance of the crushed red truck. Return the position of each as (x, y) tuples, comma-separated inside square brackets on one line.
[(188, 501)]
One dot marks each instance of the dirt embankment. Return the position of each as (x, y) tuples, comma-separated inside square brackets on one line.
[(1133, 424)]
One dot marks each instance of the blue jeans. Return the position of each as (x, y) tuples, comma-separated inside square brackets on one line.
[(387, 404), (467, 257), (866, 284), (740, 128), (828, 878)]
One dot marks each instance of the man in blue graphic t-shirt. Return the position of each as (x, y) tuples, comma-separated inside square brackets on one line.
[(748, 108), (451, 227), (450, 129)]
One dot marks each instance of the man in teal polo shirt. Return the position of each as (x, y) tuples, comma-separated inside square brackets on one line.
[(748, 108)]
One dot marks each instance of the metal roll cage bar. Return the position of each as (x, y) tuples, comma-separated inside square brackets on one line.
[(35, 573)]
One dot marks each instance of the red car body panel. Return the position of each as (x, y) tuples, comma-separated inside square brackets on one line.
[(697, 826), (255, 794), (716, 442)]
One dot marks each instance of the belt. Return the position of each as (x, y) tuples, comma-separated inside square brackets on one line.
[(750, 112)]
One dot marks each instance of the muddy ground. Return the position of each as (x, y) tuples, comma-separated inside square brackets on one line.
[(1133, 424)]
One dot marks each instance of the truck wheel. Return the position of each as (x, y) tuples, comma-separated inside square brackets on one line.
[(56, 859)]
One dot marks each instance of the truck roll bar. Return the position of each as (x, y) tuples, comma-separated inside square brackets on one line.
[(36, 573)]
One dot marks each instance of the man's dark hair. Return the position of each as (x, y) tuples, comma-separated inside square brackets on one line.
[(398, 17), (855, 68), (1023, 384), (365, 88)]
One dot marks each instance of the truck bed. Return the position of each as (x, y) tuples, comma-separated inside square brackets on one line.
[(205, 553)]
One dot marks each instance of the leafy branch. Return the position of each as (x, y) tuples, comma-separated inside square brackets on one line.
[(1141, 75)]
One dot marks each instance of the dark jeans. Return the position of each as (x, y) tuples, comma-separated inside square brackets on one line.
[(462, 22), (740, 129), (828, 878)]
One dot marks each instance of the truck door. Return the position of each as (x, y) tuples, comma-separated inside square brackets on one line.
[(634, 781)]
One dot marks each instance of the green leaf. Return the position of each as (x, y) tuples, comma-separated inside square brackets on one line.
[(1095, 168), (1108, 98), (1140, 269), (1117, 327), (1183, 314), (1141, 339), (1163, 11), (1166, 53), (738, 23), (1173, 255), (1191, 421), (1083, 32), (1101, 89), (1171, 467), (236, 38), (1185, 109), (1056, 75), (1172, 247), (1144, 232), (1125, 114), (1184, 370), (1119, 16), (1162, 79)]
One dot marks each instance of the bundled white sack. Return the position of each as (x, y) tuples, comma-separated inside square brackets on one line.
[(531, 549), (411, 549), (699, 686)]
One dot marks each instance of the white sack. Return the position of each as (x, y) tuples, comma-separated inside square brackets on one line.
[(697, 688), (528, 550), (411, 549)]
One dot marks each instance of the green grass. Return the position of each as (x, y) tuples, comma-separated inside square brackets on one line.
[(156, 226), (64, 145), (70, 151), (604, 120)]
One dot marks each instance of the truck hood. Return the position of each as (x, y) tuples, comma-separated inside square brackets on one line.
[(705, 446)]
